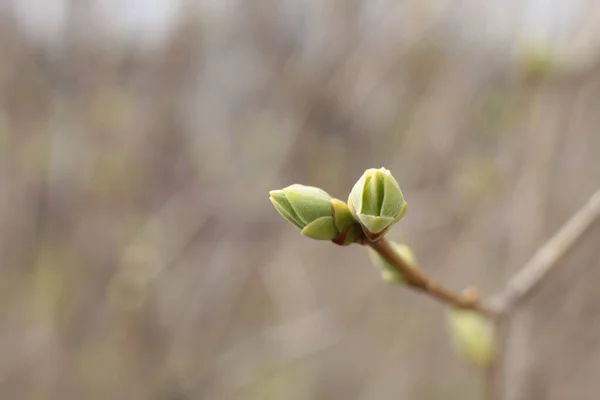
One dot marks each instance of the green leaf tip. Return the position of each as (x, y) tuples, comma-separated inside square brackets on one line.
[(322, 228)]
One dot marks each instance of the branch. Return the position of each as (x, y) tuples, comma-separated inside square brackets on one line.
[(524, 283), (418, 280), (521, 286)]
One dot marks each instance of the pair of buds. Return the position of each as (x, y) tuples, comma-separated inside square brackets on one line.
[(374, 205)]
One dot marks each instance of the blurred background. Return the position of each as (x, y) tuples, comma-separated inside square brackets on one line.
[(140, 257)]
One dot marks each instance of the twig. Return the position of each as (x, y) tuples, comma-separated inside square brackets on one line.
[(518, 288), (417, 279), (523, 284)]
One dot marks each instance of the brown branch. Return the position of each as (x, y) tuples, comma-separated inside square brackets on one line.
[(524, 283), (419, 280), (521, 286)]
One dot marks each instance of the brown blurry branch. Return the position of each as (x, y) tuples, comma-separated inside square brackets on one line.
[(418, 280), (518, 288), (524, 283)]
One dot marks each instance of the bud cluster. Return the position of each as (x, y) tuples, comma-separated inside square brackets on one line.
[(374, 205)]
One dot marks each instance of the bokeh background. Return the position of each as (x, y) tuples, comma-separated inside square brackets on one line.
[(140, 257)]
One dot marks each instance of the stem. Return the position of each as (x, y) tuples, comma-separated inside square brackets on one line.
[(419, 280)]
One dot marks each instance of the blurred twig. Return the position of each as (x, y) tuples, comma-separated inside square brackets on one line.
[(524, 283), (419, 280), (521, 286)]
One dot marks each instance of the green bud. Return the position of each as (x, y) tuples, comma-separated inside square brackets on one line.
[(388, 272), (472, 336), (537, 59), (392, 277), (316, 213), (376, 202)]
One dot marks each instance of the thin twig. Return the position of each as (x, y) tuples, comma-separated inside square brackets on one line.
[(520, 286), (419, 280), (524, 283)]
